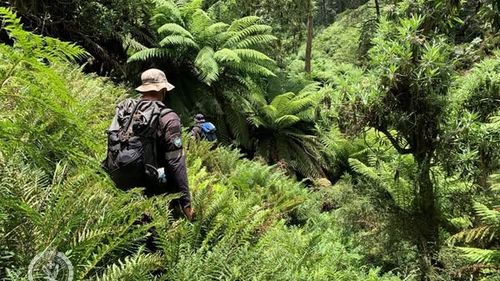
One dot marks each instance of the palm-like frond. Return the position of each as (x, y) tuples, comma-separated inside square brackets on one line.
[(482, 256), (173, 28), (227, 56), (190, 28), (178, 40), (207, 65), (287, 133), (256, 41), (240, 24), (152, 53)]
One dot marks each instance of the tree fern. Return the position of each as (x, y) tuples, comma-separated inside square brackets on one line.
[(282, 126), (196, 33)]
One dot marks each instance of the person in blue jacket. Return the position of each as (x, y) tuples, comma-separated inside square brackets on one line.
[(203, 130)]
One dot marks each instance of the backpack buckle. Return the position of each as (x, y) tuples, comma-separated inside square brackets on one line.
[(123, 136)]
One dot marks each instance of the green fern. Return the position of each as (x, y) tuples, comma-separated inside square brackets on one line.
[(207, 65), (285, 132), (484, 234), (189, 33)]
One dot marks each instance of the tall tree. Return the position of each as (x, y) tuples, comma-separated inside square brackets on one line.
[(413, 61), (309, 6), (310, 31)]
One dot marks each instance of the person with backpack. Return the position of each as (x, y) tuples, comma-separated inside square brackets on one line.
[(203, 130), (145, 144)]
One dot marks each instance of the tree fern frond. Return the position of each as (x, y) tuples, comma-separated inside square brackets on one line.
[(173, 28), (217, 29), (237, 36), (482, 255), (253, 68), (255, 41), (487, 215), (240, 24), (252, 55), (282, 101), (227, 55), (364, 170), (287, 121), (132, 46), (194, 5), (167, 11), (178, 40), (207, 66), (310, 88), (153, 53), (200, 20), (495, 181)]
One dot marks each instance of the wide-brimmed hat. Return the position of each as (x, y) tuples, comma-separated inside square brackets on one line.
[(199, 118), (154, 80)]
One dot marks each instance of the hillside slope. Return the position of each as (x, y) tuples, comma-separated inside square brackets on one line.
[(252, 221)]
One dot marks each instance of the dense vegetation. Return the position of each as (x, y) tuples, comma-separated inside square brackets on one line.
[(360, 140)]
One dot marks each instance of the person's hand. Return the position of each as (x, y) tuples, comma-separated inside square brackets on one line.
[(188, 211)]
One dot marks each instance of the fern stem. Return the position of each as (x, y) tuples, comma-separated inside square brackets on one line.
[(10, 73)]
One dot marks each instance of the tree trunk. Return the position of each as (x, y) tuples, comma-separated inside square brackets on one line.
[(307, 67), (426, 215), (377, 8)]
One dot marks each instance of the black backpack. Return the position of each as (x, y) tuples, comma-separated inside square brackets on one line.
[(131, 160)]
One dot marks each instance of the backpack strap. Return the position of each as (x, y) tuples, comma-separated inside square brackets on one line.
[(165, 111), (125, 135)]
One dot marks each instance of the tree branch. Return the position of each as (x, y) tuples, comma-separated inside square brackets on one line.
[(394, 142)]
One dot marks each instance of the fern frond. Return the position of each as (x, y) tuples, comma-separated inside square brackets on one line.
[(282, 101), (364, 170), (137, 267), (240, 24), (173, 28), (167, 11), (207, 66), (217, 29), (253, 68), (132, 46), (487, 215), (153, 53), (227, 55), (482, 255), (235, 37), (255, 41), (252, 55), (178, 40), (287, 121)]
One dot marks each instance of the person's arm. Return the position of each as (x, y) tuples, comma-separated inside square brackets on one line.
[(175, 159), (196, 133)]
